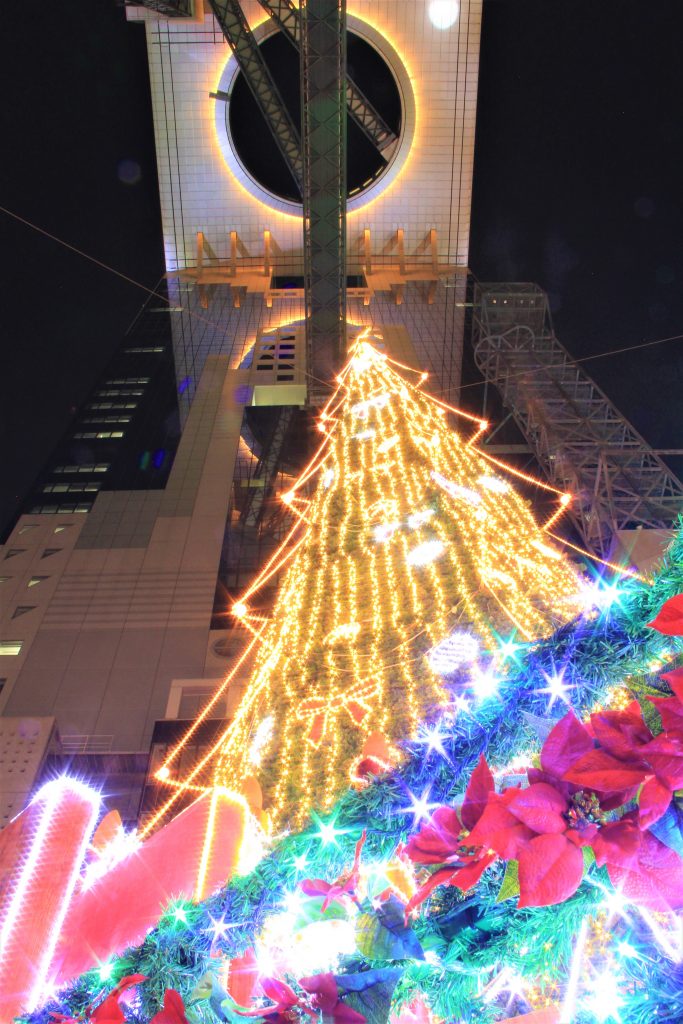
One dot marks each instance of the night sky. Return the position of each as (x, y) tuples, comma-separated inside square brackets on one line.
[(578, 187)]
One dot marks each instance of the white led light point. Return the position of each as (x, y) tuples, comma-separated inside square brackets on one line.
[(443, 13)]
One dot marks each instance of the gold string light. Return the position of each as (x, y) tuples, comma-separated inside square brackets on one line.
[(408, 537)]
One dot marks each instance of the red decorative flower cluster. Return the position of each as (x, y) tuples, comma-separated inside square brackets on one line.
[(602, 785), (323, 997), (344, 886), (109, 1010)]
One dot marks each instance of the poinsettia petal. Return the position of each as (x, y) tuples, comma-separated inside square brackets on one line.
[(675, 681), (550, 871), (498, 829), (441, 877), (582, 837), (481, 784), (470, 874), (600, 771), (359, 847), (279, 992), (343, 1014), (618, 843), (323, 988), (128, 982), (108, 1012), (337, 892), (540, 807), (438, 839), (314, 886), (174, 1006), (621, 733), (670, 711), (655, 880), (566, 743), (537, 775), (665, 755), (669, 618), (653, 800)]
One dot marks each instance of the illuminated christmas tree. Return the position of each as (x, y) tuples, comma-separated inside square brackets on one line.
[(524, 859), (413, 560)]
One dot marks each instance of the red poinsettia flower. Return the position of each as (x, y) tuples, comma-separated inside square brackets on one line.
[(669, 618), (325, 997), (108, 1011), (629, 757), (284, 1000), (545, 825), (443, 840), (532, 826), (173, 1011), (344, 886)]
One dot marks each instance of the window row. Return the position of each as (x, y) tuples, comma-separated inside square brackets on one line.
[(120, 392), (87, 467), (127, 380), (113, 405), (71, 488), (33, 582), (98, 435), (155, 348), (106, 419), (54, 509)]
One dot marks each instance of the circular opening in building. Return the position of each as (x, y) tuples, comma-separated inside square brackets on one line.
[(257, 150)]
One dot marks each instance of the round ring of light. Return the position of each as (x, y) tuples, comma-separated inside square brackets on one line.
[(444, 13), (396, 161)]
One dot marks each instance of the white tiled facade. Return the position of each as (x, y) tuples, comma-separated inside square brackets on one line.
[(427, 186), (433, 189)]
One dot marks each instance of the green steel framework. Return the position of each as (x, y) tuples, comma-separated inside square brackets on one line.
[(286, 16), (323, 120), (241, 40)]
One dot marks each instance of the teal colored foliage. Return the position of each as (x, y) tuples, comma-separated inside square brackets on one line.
[(457, 938)]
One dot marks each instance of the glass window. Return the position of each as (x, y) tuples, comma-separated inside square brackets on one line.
[(70, 488), (118, 392), (194, 698), (107, 419), (11, 647), (86, 467)]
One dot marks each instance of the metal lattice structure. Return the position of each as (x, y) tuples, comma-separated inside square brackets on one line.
[(286, 15), (240, 38), (581, 440), (323, 118), (167, 8)]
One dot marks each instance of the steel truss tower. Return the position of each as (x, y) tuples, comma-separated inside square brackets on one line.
[(585, 445), (323, 123), (317, 162)]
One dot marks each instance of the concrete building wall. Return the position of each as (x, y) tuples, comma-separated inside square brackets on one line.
[(127, 606)]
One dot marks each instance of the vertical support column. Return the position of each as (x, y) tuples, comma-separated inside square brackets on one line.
[(323, 120)]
